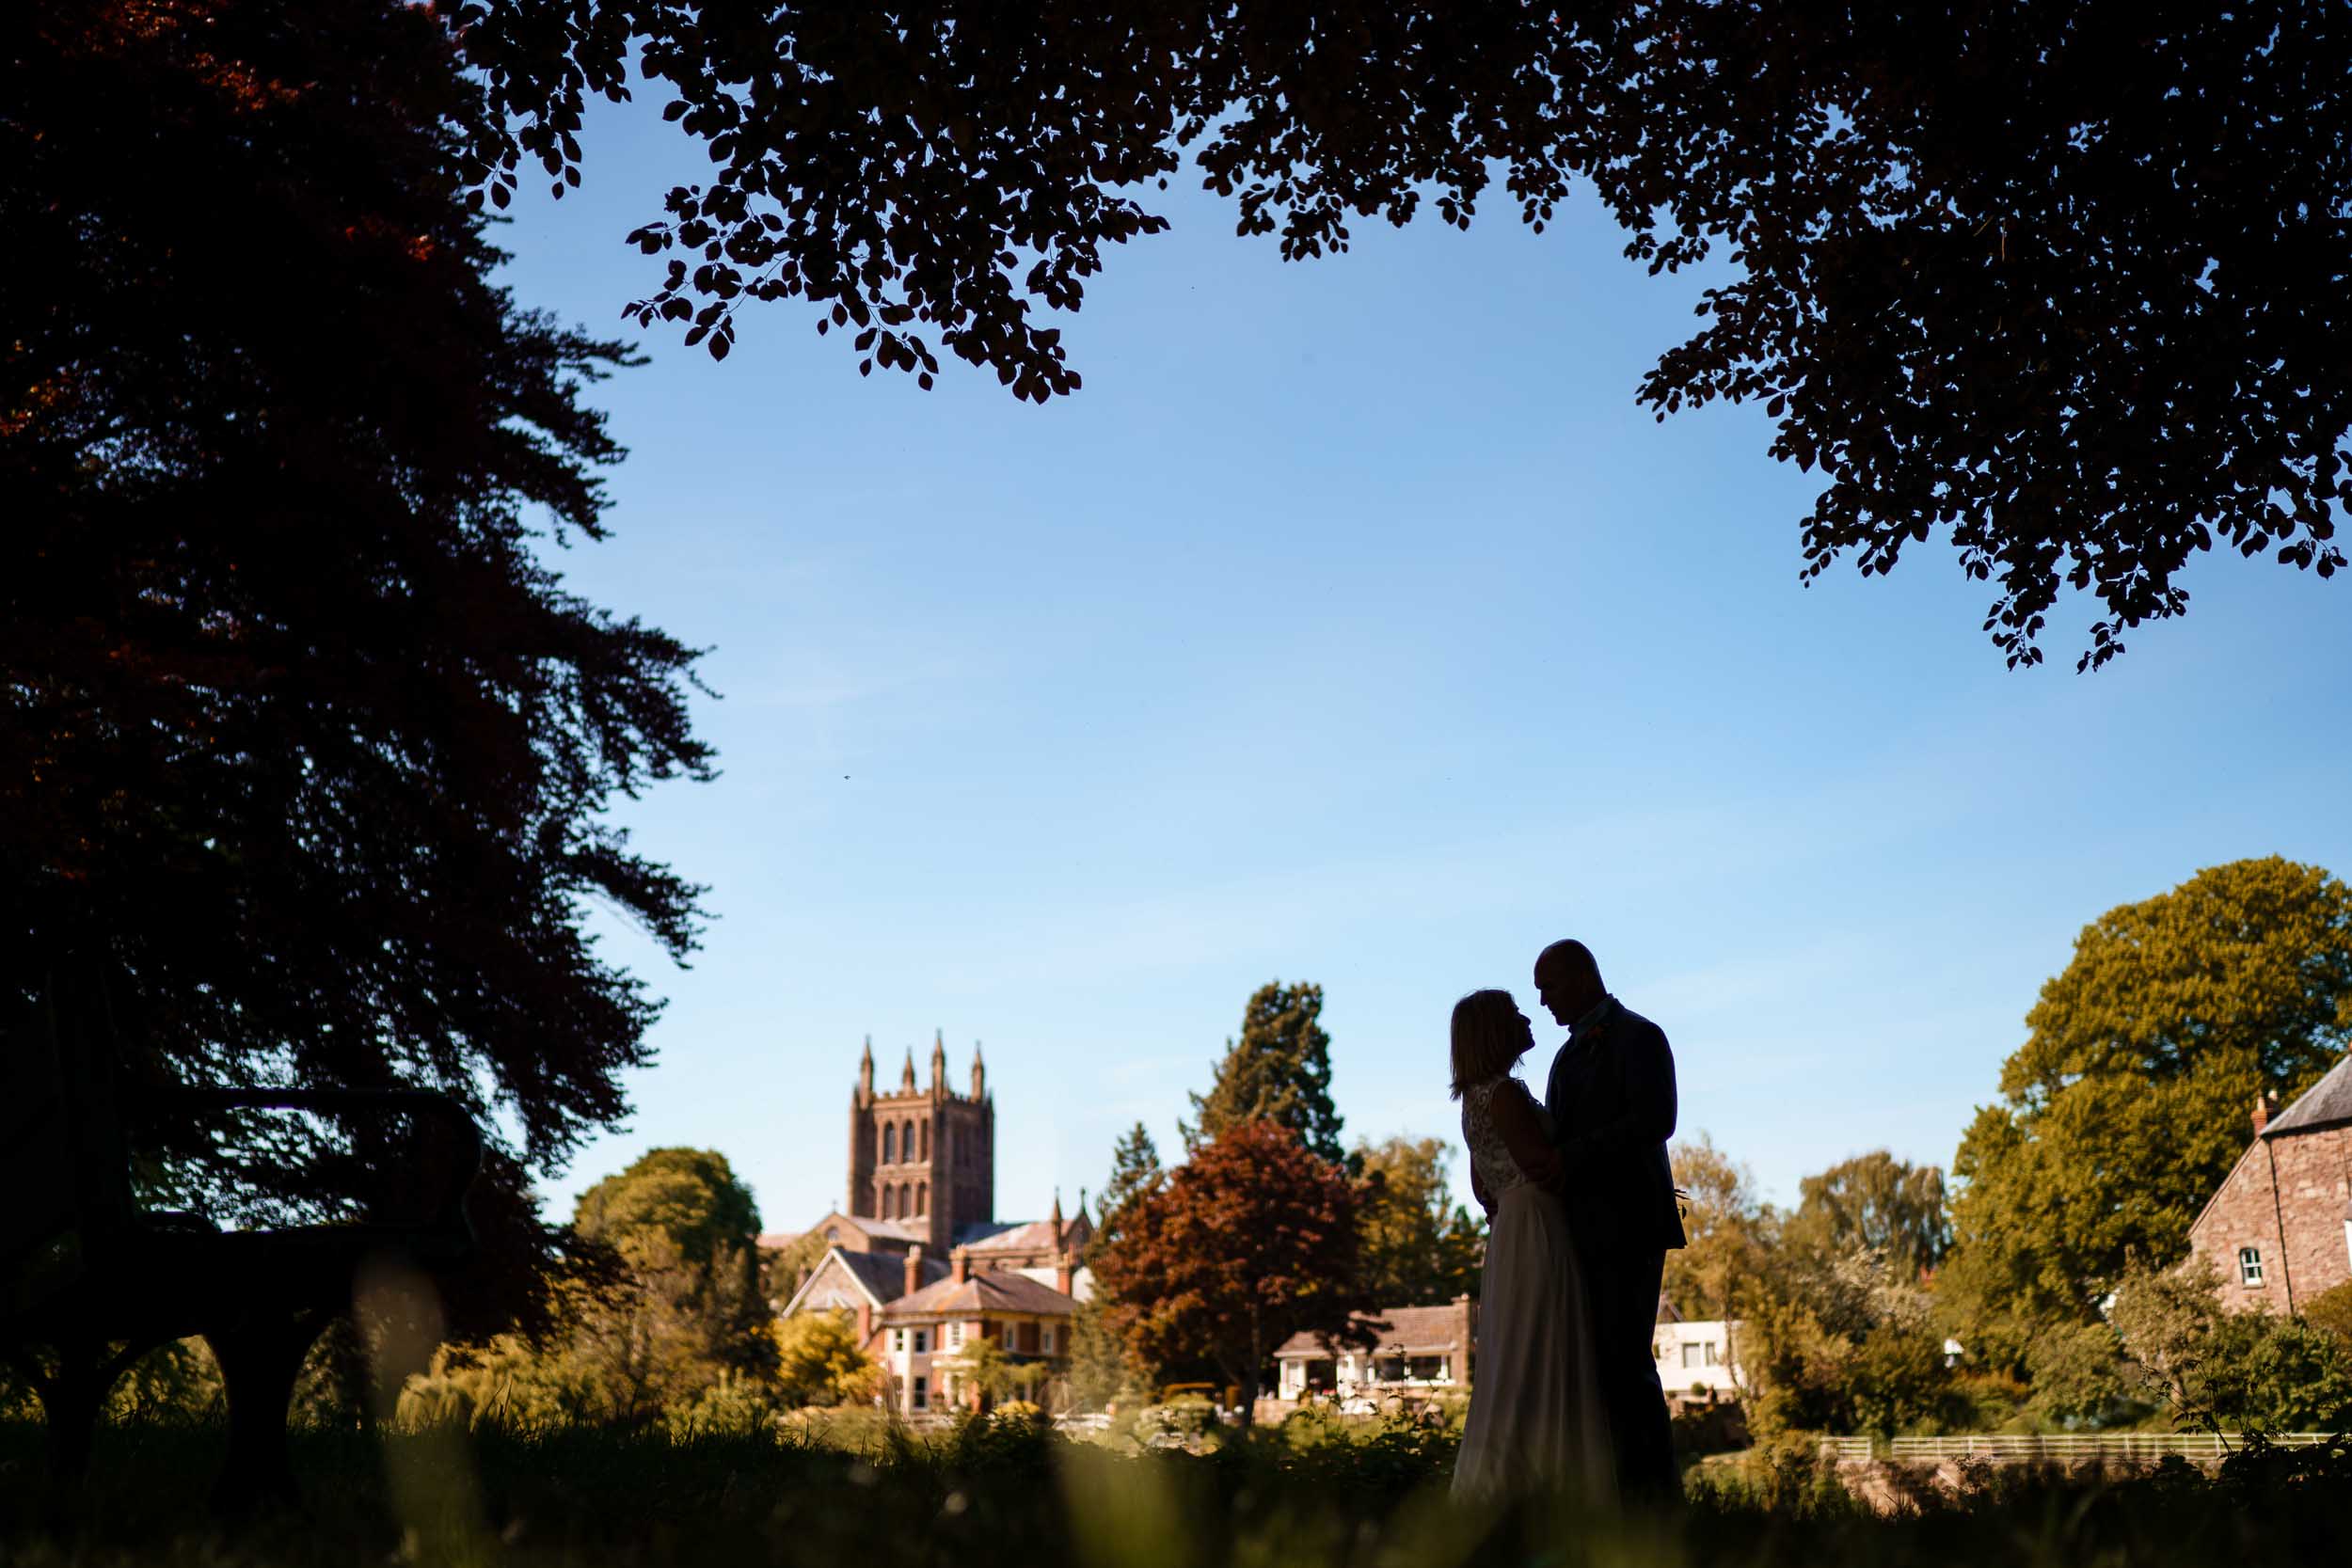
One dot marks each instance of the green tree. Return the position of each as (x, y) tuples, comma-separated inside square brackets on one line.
[(1845, 1343), (1419, 1248), (1986, 282), (302, 739), (1724, 1269), (820, 1362), (1104, 1366), (1134, 1170), (786, 1269), (2230, 1371), (1279, 1070), (687, 1305), (2331, 1310), (687, 1196), (2129, 1101), (1876, 1203), (1251, 1241)]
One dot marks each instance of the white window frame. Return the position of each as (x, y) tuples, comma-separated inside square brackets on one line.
[(2250, 1267), (920, 1396), (922, 1342), (897, 1339)]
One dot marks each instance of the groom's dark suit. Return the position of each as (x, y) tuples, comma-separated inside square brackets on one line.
[(1611, 1099)]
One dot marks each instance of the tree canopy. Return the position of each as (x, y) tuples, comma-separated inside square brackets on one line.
[(1875, 1203), (1421, 1248), (301, 739), (1279, 1070), (1251, 1241), (2132, 1095), (2064, 282), (688, 1199)]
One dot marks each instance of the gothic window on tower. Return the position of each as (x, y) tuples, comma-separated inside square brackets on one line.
[(927, 1140), (890, 1146), (885, 1202), (922, 1198)]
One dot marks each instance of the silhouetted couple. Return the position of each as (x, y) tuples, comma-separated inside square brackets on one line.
[(1582, 1210)]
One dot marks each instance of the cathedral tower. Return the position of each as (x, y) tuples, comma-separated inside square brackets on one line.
[(923, 1158)]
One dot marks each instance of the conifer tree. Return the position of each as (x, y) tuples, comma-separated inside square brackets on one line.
[(1279, 1070)]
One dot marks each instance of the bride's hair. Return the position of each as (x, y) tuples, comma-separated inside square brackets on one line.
[(1487, 1037)]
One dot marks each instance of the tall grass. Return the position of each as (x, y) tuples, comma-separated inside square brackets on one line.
[(999, 1496)]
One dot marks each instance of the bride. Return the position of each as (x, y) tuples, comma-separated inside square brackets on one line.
[(1537, 1419)]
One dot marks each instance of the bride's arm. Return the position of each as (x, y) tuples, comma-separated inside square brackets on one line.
[(1523, 1132)]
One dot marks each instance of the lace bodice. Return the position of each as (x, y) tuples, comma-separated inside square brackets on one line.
[(1490, 1157)]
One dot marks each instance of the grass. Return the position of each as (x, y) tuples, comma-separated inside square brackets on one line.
[(989, 1495)]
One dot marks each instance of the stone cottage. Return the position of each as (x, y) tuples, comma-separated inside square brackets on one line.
[(2279, 1229)]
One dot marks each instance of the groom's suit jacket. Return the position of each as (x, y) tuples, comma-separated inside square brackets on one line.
[(1611, 1099)]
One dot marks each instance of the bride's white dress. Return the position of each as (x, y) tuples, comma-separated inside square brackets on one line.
[(1535, 1418)]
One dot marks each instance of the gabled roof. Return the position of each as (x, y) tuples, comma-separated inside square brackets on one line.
[(1412, 1330), (878, 1277), (994, 1291), (2326, 1103)]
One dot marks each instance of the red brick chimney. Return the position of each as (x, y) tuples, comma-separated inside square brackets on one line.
[(959, 1265), (2262, 1113), (914, 1268), (1065, 1272)]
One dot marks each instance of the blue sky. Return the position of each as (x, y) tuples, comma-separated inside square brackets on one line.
[(1352, 624)]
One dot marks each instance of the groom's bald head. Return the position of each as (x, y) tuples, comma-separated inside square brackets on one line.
[(1567, 980)]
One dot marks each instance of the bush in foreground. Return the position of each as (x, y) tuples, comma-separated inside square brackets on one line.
[(992, 1493)]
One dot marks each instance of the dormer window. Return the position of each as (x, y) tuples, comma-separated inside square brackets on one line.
[(2250, 1267)]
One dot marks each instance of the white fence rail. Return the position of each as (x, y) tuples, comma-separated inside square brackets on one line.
[(2057, 1446)]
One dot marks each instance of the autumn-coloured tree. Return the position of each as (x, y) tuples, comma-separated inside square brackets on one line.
[(2060, 282), (302, 742), (1251, 1241)]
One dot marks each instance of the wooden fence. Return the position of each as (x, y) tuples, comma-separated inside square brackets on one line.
[(2057, 1448)]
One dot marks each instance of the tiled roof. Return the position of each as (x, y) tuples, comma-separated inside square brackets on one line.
[(1024, 1235), (776, 1240), (993, 1290), (1081, 1279), (1411, 1330), (2326, 1103), (881, 1276)]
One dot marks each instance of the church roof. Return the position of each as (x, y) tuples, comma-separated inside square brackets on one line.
[(2326, 1103), (1021, 1235), (993, 1290)]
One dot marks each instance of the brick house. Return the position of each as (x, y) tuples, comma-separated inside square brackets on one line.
[(2279, 1229)]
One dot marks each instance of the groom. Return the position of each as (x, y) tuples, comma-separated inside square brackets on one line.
[(1611, 1099)]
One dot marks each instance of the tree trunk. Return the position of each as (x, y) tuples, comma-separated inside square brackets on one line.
[(1250, 1375)]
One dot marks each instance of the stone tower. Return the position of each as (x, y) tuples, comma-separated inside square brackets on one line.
[(924, 1158)]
